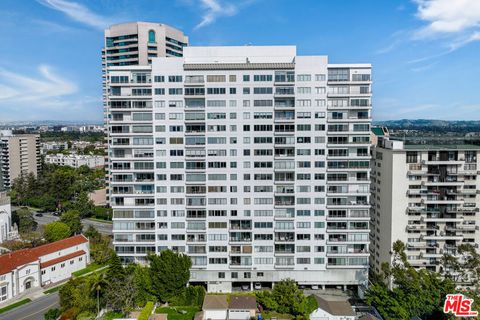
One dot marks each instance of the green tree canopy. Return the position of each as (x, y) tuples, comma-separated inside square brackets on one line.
[(170, 272), (72, 219), (55, 231)]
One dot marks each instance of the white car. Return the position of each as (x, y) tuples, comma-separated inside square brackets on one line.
[(258, 286), (314, 287), (245, 287)]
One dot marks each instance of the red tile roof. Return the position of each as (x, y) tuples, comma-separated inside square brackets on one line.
[(12, 260), (62, 258)]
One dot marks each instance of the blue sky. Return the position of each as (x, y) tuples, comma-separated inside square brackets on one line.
[(425, 53)]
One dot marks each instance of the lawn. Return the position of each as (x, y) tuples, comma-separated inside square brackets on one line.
[(91, 267), (14, 305), (57, 288), (100, 220), (112, 315), (267, 315), (175, 315)]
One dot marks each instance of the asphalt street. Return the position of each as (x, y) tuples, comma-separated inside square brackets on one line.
[(102, 227), (33, 310)]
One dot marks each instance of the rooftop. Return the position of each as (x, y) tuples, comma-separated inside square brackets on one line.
[(12, 260), (242, 302), (215, 302), (335, 307)]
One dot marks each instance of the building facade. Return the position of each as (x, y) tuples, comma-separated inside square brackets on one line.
[(137, 43), (24, 269), (252, 160), (5, 217), (20, 155), (75, 160), (425, 195)]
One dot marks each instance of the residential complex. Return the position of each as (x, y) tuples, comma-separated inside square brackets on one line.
[(425, 195), (24, 269), (19, 155), (252, 160), (137, 43), (75, 160)]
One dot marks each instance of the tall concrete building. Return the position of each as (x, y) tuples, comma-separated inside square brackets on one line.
[(252, 160), (425, 195), (19, 154), (137, 43)]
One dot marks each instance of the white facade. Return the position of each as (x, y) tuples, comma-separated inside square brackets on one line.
[(252, 160), (5, 217), (427, 197), (75, 160), (29, 268)]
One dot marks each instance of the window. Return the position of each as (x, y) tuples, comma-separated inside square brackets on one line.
[(304, 77), (151, 36), (320, 77)]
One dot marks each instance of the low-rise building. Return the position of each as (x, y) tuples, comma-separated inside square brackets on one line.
[(333, 309), (242, 307), (54, 146), (75, 160), (24, 269), (215, 307)]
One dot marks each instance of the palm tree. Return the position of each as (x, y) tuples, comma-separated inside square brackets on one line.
[(98, 281)]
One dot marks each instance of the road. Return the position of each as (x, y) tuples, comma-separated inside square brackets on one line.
[(33, 310), (102, 227)]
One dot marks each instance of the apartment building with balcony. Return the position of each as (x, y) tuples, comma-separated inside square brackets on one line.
[(137, 43), (425, 195), (252, 160), (19, 155)]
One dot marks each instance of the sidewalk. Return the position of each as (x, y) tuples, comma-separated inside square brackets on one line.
[(32, 294)]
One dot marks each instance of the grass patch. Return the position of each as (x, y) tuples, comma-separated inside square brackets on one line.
[(14, 305), (91, 267), (100, 220), (174, 314), (272, 314), (110, 315), (56, 289)]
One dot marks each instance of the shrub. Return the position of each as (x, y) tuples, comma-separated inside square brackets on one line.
[(52, 314), (146, 311)]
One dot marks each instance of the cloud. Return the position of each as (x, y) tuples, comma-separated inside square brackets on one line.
[(213, 9), (458, 21), (15, 87), (78, 12)]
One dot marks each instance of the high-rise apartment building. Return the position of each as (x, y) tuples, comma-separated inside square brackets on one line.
[(5, 217), (20, 154), (425, 195), (252, 160), (137, 43)]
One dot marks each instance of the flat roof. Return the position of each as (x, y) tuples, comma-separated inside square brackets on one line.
[(441, 147)]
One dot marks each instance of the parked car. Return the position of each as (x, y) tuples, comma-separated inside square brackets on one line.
[(245, 287), (314, 287), (257, 286), (39, 215)]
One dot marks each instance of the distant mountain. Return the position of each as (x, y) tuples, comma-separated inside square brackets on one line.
[(431, 125)]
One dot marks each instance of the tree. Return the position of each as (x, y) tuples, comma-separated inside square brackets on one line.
[(100, 249), (115, 272), (72, 219), (142, 282), (170, 272), (414, 292), (288, 297), (76, 296), (52, 314), (55, 231), (83, 204), (23, 217), (120, 295), (98, 284)]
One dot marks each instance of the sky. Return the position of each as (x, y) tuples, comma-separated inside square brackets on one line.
[(425, 53)]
